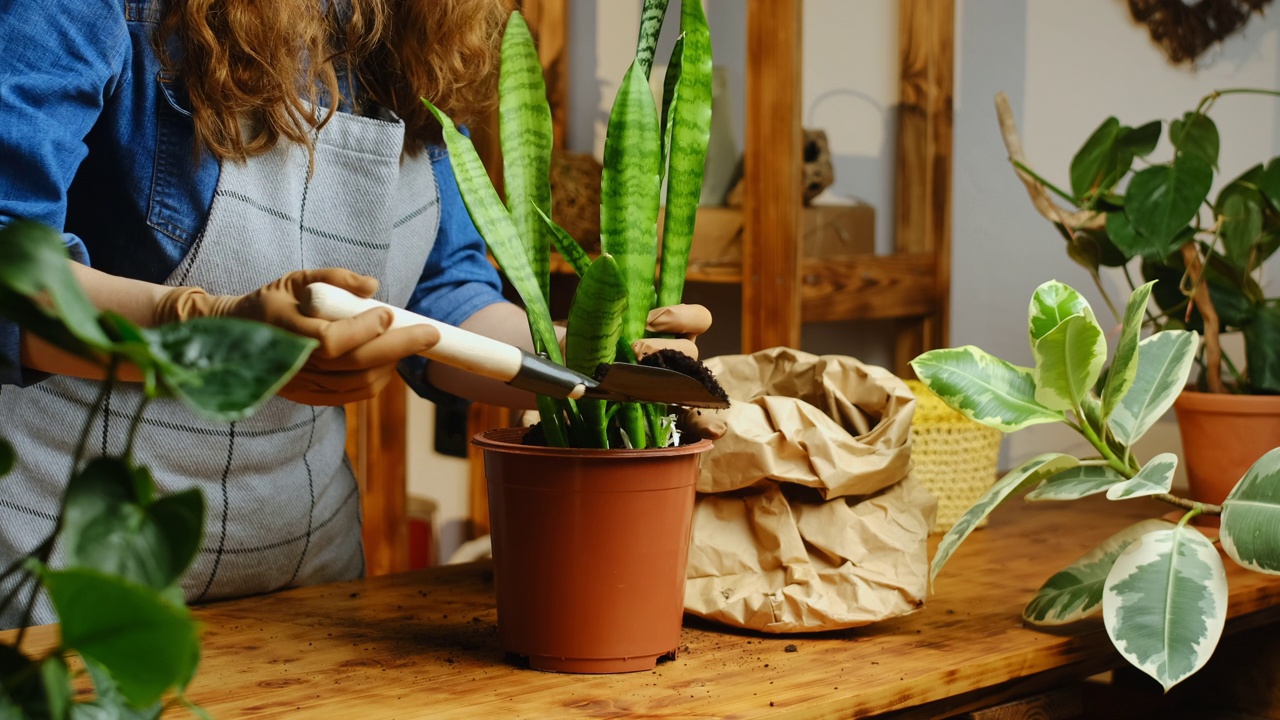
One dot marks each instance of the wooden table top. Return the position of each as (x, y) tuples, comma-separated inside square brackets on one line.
[(425, 644)]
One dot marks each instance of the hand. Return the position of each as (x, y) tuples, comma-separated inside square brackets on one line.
[(356, 357), (686, 322)]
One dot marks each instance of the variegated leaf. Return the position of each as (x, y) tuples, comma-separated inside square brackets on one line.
[(1124, 366), (1251, 517), (1164, 361), (1155, 478), (1069, 360), (1052, 303), (1024, 476), (1075, 592), (1076, 483), (1165, 603), (983, 388)]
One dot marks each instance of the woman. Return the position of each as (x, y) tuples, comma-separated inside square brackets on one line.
[(212, 157)]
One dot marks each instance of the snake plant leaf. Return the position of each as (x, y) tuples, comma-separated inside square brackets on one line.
[(651, 17), (1051, 304), (983, 388), (1251, 514), (1162, 199), (1075, 592), (690, 133), (1124, 366), (670, 82), (1165, 603), (499, 232), (1024, 476), (1076, 483), (1196, 135), (1262, 349), (1164, 361), (524, 126), (1239, 210), (148, 641), (1069, 360), (568, 248), (1155, 478), (595, 325)]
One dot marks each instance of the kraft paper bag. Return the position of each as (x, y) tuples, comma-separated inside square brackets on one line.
[(807, 516)]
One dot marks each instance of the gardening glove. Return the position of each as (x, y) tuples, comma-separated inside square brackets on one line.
[(356, 357), (686, 322), (703, 422)]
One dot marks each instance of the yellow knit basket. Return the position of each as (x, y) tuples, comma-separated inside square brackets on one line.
[(954, 456)]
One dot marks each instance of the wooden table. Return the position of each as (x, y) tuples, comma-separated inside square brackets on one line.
[(424, 644)]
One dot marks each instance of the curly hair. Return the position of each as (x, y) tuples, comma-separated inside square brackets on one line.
[(258, 72)]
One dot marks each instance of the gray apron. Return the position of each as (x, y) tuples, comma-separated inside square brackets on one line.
[(282, 504)]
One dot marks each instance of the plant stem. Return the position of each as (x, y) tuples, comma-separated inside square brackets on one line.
[(93, 413), (134, 423), (1060, 193), (1097, 281), (1115, 462), (1235, 372)]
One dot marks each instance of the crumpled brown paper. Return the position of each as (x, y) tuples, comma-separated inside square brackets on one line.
[(807, 516)]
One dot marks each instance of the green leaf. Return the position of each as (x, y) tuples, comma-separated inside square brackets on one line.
[(1251, 516), (670, 83), (1024, 476), (229, 367), (109, 703), (1129, 242), (983, 388), (1239, 211), (595, 325), (1069, 361), (1165, 603), (1095, 159), (1164, 362), (651, 18), (1075, 592), (56, 680), (34, 264), (690, 133), (1124, 365), (7, 458), (1051, 304), (146, 642), (1142, 140), (1196, 135), (1076, 483), (1269, 183), (180, 519), (1155, 478), (1161, 200), (524, 125), (567, 246), (32, 690), (1262, 349)]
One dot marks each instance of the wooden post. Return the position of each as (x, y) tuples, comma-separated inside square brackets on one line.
[(376, 446), (923, 205), (773, 166)]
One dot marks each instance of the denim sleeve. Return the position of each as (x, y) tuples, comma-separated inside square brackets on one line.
[(61, 60), (458, 279)]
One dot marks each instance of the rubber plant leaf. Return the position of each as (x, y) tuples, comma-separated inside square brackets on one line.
[(595, 325), (1075, 592), (1051, 304), (1155, 478), (1124, 366), (524, 127), (1069, 360), (1162, 199), (148, 642), (690, 133), (1076, 483), (1165, 603), (1026, 475), (1250, 515), (1164, 362), (651, 17), (983, 388)]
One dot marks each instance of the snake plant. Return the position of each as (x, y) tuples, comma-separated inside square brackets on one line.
[(616, 290), (1160, 586)]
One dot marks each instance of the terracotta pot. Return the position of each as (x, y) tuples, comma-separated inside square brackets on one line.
[(1222, 436), (589, 551)]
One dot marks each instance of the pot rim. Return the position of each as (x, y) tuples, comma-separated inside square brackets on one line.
[(507, 440), (1190, 399)]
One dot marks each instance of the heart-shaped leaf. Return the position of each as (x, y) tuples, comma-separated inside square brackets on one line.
[(1269, 183), (1262, 349), (1124, 366), (1069, 360), (1196, 135), (1164, 362), (1076, 483), (983, 387), (1142, 140), (1251, 517), (1162, 199), (109, 703), (1155, 478), (1239, 211)]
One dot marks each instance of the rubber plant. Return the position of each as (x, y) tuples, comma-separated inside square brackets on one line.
[(1123, 204), (1160, 586), (616, 290), (122, 547)]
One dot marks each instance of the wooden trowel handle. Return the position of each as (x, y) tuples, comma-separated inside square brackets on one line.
[(457, 347)]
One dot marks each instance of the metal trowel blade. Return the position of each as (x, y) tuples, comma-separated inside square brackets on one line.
[(641, 383)]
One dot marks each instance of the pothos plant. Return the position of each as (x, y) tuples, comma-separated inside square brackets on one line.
[(122, 547), (1160, 586), (1124, 204), (617, 289)]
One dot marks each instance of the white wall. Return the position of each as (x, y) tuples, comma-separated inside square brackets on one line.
[(1065, 66)]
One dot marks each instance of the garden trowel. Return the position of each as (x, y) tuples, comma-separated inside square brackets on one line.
[(509, 364)]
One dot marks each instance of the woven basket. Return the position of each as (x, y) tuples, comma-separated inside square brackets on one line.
[(954, 456), (575, 196)]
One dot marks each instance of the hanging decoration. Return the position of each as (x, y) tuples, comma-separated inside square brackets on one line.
[(1186, 28)]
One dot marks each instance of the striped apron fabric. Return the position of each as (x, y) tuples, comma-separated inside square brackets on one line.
[(282, 504)]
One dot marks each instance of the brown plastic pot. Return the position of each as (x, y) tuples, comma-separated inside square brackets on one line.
[(589, 550), (1222, 437)]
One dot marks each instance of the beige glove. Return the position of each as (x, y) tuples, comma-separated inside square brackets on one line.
[(686, 322), (356, 357)]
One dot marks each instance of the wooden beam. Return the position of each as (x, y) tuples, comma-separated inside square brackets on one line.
[(376, 446), (923, 195), (868, 287), (772, 172)]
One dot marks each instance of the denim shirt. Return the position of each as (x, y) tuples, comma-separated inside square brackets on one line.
[(97, 140)]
